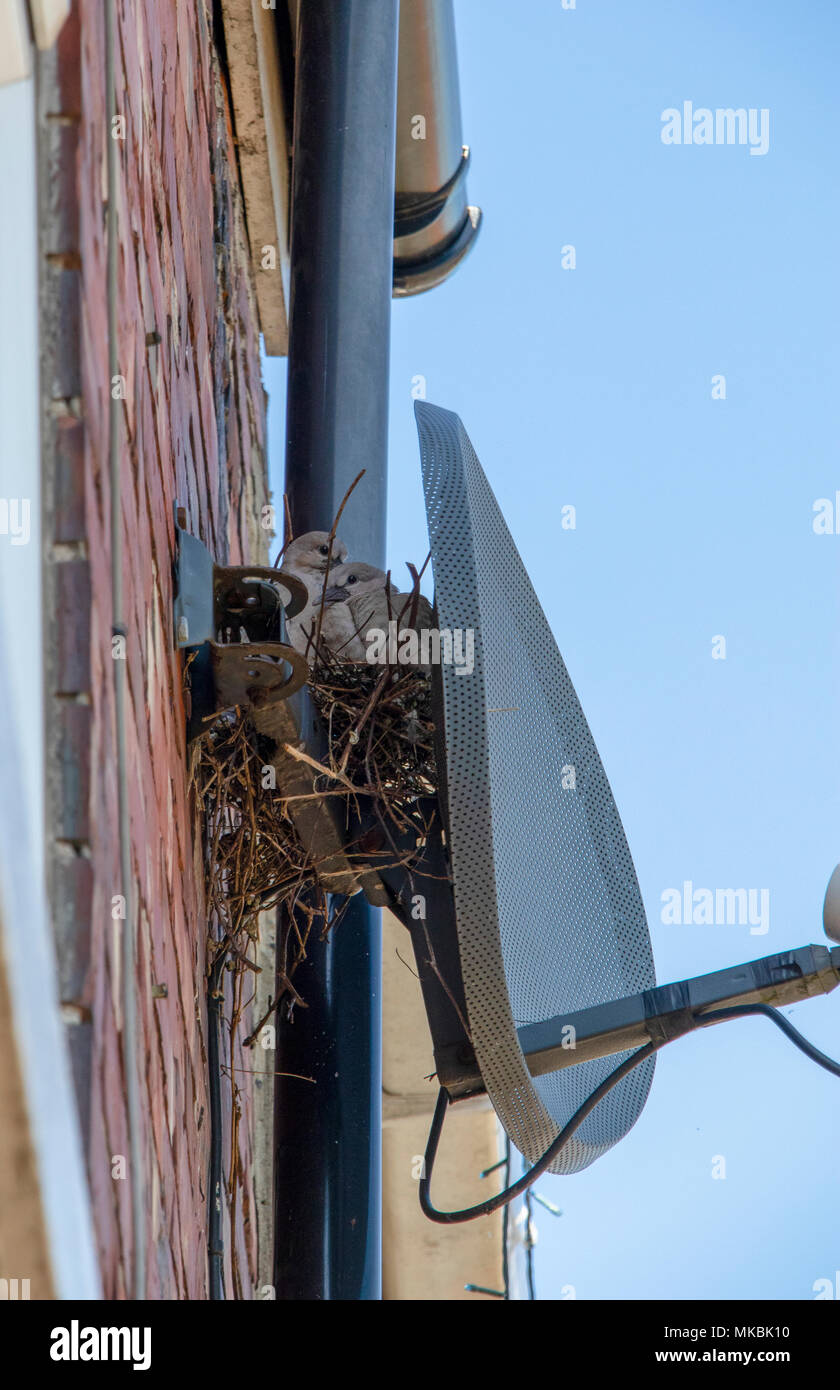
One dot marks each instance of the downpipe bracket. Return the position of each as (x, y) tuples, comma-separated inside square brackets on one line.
[(232, 619)]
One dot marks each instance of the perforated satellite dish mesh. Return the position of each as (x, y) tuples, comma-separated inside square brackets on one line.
[(549, 914)]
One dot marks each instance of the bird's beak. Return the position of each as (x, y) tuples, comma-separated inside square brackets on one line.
[(334, 595)]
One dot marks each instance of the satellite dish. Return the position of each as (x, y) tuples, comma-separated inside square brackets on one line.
[(547, 908), (831, 906), (533, 949)]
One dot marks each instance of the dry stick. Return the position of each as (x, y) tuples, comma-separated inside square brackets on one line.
[(338, 791), (415, 595), (404, 962), (252, 1071), (332, 535), (319, 767), (367, 753), (377, 691), (290, 535), (444, 986), (286, 986), (336, 651), (241, 956)]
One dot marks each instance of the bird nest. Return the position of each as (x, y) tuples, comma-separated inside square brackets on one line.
[(379, 730), (379, 762)]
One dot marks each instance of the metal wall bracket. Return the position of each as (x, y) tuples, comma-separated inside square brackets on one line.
[(232, 617)]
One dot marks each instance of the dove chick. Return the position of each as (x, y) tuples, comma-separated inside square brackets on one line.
[(306, 558), (360, 599)]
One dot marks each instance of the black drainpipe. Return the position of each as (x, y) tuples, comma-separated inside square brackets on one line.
[(328, 1164)]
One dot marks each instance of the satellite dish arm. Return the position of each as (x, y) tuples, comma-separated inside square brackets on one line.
[(668, 1011), (516, 1189)]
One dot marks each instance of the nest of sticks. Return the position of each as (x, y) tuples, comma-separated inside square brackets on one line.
[(379, 731), (253, 857), (379, 762)]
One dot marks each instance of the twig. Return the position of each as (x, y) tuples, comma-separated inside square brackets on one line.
[(345, 499)]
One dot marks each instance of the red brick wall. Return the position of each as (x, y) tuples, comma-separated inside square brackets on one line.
[(193, 429)]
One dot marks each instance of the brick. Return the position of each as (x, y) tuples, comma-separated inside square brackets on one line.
[(60, 142), (73, 899), (61, 328), (71, 627), (69, 484)]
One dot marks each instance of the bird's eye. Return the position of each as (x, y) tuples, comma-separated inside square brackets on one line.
[(324, 549), (352, 579)]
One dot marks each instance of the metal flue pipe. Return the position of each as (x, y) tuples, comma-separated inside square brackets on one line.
[(434, 227)]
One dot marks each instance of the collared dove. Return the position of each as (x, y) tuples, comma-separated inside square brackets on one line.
[(306, 558), (360, 599)]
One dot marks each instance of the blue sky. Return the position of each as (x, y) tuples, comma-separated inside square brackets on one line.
[(592, 387)]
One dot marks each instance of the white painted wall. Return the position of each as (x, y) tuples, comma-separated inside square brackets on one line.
[(20, 569), (26, 941)]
